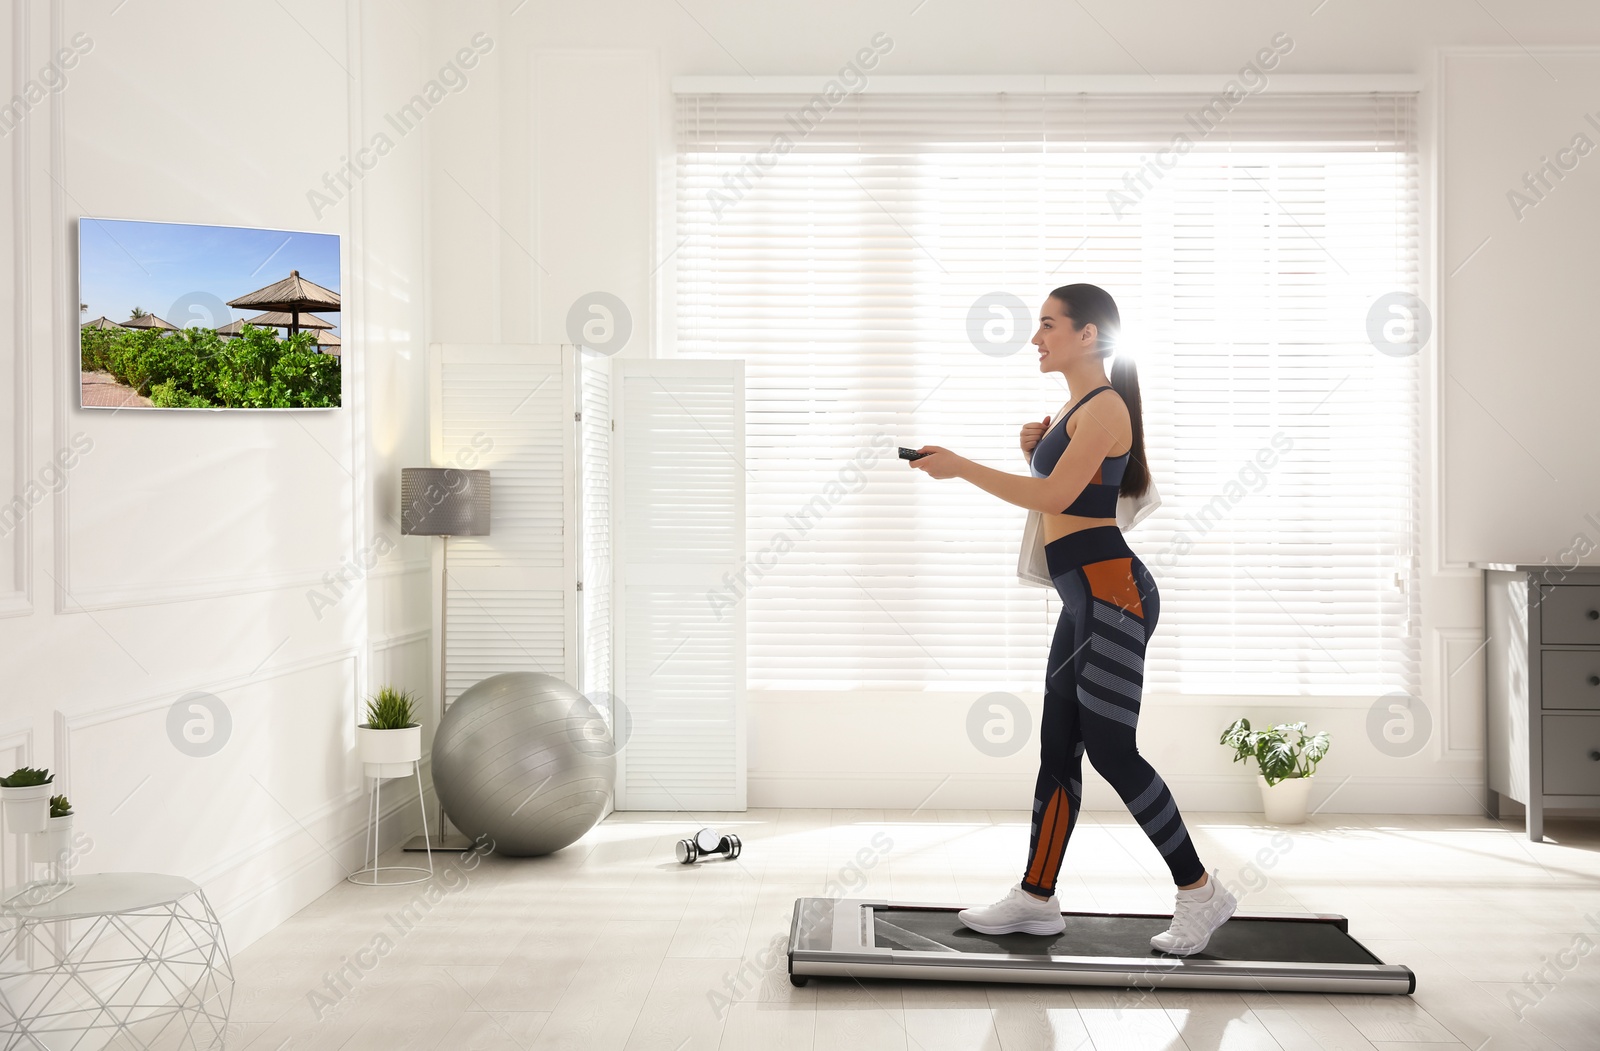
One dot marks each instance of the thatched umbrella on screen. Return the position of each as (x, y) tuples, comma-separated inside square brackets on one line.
[(100, 322), (272, 319), (294, 295), (149, 321), (282, 319), (328, 343)]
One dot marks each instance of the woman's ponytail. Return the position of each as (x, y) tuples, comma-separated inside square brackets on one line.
[(1090, 303)]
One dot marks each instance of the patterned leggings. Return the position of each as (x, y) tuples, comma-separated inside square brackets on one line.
[(1091, 702)]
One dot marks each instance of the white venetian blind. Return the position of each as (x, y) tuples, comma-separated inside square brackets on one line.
[(845, 255)]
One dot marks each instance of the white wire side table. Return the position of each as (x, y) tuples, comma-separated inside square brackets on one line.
[(135, 955)]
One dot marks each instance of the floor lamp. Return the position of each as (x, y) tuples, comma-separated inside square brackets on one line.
[(443, 502)]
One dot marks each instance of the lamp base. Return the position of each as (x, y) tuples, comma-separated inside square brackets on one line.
[(452, 843)]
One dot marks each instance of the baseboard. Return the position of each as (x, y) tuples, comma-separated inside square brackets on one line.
[(1330, 794), (288, 886)]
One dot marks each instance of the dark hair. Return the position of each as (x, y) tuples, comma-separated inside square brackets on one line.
[(1091, 303)]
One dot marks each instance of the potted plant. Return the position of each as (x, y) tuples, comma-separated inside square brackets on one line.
[(55, 842), (389, 741), (1286, 766), (25, 793)]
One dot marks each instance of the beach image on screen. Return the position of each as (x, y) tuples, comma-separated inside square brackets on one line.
[(185, 316)]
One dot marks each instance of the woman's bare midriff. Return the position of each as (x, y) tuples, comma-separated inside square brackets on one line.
[(1058, 526)]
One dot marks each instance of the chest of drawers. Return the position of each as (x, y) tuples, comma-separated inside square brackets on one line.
[(1543, 690)]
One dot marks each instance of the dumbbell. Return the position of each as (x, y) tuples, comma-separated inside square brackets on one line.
[(708, 841)]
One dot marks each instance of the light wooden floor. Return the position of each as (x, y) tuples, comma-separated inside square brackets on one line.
[(611, 943)]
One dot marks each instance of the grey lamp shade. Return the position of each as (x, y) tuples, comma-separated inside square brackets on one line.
[(444, 501)]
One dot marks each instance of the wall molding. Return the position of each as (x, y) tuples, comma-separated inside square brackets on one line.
[(400, 569), (1442, 564), (118, 596), (1431, 176), (63, 253), (811, 699), (333, 806), (70, 599), (18, 735), (1458, 656), (17, 739), (353, 315), (258, 874), (1196, 793), (1449, 64), (95, 599), (82, 716), (338, 809), (390, 642), (17, 600), (392, 826)]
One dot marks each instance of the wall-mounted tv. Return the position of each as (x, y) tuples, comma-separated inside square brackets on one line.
[(184, 316)]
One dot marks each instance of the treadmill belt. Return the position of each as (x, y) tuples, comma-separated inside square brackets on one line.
[(1089, 934)]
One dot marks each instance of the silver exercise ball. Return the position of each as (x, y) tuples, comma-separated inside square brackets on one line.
[(524, 759)]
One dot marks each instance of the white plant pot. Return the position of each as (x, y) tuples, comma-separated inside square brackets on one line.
[(54, 842), (1285, 802), (27, 809), (388, 753)]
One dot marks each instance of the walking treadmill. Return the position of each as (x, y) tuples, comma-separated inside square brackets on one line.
[(1294, 952)]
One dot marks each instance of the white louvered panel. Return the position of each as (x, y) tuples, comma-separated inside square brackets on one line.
[(680, 515), (511, 600), (517, 406), (683, 697), (842, 275), (594, 371), (681, 482), (499, 631)]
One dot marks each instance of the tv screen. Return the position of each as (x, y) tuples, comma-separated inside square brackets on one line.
[(183, 316)]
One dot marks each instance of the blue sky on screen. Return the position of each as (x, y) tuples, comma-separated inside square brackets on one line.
[(185, 274)]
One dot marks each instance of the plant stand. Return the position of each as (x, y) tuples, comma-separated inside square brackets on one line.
[(373, 874), (37, 891)]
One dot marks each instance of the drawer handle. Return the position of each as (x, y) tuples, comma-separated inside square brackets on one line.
[(1594, 680), (1595, 755), (1594, 614)]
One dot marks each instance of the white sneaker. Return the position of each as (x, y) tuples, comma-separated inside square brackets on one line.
[(1193, 921), (1017, 911)]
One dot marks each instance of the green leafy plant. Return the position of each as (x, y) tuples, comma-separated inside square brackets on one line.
[(391, 709), (1278, 756), (196, 368), (26, 777), (59, 807)]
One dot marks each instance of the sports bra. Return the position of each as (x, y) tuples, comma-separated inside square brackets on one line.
[(1099, 497)]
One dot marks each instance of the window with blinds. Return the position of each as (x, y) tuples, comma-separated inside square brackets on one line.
[(879, 266)]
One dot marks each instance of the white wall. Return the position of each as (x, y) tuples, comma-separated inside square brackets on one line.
[(179, 555), (1521, 201), (182, 550), (570, 164)]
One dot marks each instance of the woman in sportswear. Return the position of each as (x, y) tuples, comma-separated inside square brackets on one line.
[(1109, 607)]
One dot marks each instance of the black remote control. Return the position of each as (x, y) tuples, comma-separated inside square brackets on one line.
[(910, 454)]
